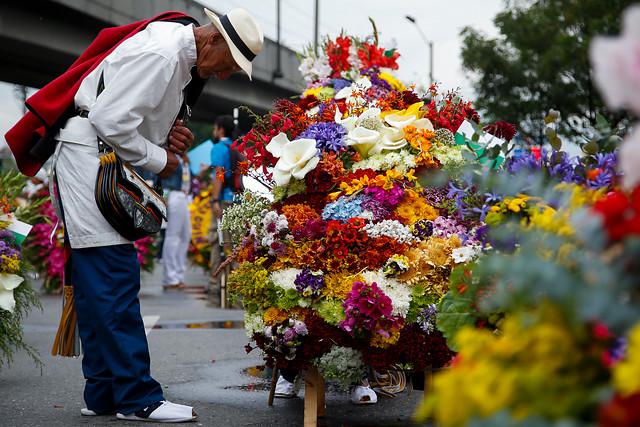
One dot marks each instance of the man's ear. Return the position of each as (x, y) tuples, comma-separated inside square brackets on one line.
[(216, 38)]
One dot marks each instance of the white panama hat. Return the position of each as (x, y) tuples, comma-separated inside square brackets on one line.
[(242, 33)]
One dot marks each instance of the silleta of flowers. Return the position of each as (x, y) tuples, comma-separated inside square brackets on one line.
[(353, 252)]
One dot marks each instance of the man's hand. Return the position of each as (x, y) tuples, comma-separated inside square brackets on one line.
[(171, 166), (180, 138)]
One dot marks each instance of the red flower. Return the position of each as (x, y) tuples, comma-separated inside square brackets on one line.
[(620, 213), (338, 54), (308, 102), (502, 130), (620, 412)]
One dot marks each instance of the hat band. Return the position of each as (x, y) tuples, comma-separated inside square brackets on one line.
[(235, 38)]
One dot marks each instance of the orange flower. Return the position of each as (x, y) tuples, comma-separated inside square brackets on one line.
[(298, 215), (274, 315)]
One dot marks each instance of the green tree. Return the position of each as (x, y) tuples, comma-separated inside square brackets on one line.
[(540, 61)]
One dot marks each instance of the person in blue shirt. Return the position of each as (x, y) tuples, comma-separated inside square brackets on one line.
[(221, 197)]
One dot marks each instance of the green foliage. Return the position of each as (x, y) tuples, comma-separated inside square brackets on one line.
[(11, 335), (540, 60), (456, 310)]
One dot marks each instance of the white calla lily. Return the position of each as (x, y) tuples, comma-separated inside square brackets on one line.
[(8, 282), (424, 124), (348, 123), (277, 142), (296, 158), (392, 139), (399, 121), (364, 140)]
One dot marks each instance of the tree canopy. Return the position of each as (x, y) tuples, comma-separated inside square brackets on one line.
[(540, 61)]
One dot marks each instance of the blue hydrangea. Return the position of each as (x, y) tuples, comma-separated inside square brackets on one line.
[(343, 209)]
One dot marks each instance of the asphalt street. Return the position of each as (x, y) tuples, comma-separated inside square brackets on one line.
[(197, 354)]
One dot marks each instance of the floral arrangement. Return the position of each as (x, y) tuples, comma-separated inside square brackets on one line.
[(352, 244), (45, 245), (147, 250), (16, 295), (547, 323)]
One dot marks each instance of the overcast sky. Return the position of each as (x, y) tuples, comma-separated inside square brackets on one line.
[(440, 21)]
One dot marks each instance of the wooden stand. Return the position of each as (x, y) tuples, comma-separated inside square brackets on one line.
[(272, 389), (314, 399)]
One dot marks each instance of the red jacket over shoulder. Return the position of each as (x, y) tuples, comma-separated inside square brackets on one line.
[(48, 106)]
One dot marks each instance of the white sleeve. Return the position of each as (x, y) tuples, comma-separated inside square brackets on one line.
[(136, 88)]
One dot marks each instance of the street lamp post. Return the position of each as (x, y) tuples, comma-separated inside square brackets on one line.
[(428, 42)]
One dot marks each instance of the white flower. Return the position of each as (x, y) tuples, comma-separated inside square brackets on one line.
[(390, 228), (348, 123), (313, 69), (8, 282), (353, 94), (465, 253), (629, 159), (253, 323), (615, 62), (364, 141), (285, 278), (400, 160), (398, 292), (295, 158)]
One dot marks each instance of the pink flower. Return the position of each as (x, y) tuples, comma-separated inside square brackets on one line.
[(616, 63)]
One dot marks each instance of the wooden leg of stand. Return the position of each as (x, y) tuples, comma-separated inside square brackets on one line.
[(428, 379), (312, 384), (321, 396), (272, 389)]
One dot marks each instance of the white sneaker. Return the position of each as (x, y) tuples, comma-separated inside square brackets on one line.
[(162, 412), (363, 395), (285, 389)]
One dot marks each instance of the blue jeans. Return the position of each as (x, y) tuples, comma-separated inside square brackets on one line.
[(116, 364)]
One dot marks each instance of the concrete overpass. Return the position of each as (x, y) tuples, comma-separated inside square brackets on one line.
[(39, 39)]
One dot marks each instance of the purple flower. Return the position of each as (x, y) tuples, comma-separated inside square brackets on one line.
[(423, 229), (329, 136), (339, 84), (427, 318), (309, 283), (289, 335), (388, 198)]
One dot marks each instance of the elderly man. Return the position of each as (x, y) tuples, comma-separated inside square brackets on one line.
[(144, 79)]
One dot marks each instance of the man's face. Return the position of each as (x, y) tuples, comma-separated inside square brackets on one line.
[(215, 60), (217, 132)]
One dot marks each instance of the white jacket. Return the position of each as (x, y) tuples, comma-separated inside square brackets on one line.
[(144, 81)]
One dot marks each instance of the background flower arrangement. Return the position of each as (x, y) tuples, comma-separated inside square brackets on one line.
[(353, 246), (17, 297), (546, 324)]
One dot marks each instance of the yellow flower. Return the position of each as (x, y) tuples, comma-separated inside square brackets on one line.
[(411, 175), (626, 374), (10, 265), (393, 81), (516, 204), (412, 110)]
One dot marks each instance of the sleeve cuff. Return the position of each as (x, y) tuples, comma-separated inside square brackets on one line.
[(155, 160)]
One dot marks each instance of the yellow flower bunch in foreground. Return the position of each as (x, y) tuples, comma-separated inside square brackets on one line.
[(537, 365)]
